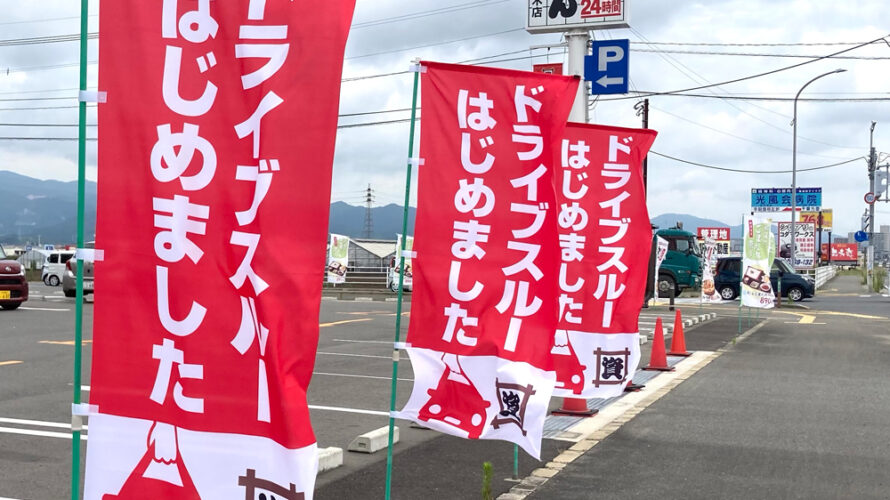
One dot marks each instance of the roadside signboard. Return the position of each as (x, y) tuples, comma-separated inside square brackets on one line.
[(720, 235), (338, 258), (550, 16), (841, 252), (779, 199), (813, 217), (860, 236), (870, 198), (608, 68), (804, 243)]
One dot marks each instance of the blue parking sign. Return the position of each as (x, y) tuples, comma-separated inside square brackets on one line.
[(607, 69)]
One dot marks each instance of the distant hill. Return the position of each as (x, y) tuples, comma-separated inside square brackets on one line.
[(33, 210), (386, 221)]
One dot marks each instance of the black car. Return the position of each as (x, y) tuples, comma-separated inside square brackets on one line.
[(794, 286)]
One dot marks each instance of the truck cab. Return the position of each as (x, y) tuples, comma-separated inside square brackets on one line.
[(682, 265)]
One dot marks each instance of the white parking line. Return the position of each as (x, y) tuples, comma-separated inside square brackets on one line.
[(29, 432), (42, 309), (364, 341), (358, 355), (361, 376), (38, 423)]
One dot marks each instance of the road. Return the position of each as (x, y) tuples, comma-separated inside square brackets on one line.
[(796, 410)]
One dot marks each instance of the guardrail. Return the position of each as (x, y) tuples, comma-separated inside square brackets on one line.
[(822, 274)]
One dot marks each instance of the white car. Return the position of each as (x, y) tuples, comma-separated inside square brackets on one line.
[(54, 266)]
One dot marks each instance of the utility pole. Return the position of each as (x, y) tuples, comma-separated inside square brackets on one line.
[(369, 222), (643, 110), (870, 251)]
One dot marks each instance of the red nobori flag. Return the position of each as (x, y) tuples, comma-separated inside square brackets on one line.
[(485, 274), (604, 241), (205, 326)]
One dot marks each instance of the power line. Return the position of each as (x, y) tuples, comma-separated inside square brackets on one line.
[(755, 54), (783, 44), (427, 13), (435, 44), (737, 170), (750, 77)]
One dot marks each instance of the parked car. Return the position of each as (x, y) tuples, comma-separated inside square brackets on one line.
[(794, 286), (69, 279), (54, 266), (13, 285)]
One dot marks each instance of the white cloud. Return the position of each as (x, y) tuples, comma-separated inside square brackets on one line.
[(732, 134)]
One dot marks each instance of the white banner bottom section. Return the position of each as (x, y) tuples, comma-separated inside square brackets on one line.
[(594, 365), (479, 397), (130, 458)]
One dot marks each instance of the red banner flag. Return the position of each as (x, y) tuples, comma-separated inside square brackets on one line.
[(482, 314), (206, 307), (604, 238)]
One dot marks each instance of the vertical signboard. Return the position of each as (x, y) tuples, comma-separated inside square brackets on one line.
[(758, 252), (709, 270), (338, 258), (804, 242), (604, 241), (487, 268), (206, 330), (661, 250)]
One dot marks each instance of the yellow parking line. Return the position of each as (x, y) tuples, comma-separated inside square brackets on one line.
[(335, 323), (4, 363), (63, 342)]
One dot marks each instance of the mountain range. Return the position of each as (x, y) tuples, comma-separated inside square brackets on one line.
[(43, 211)]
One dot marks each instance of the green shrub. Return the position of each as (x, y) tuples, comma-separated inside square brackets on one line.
[(486, 481)]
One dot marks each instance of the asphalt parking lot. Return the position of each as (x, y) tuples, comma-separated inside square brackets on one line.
[(349, 394)]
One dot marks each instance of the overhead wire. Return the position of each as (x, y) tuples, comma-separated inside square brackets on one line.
[(745, 171)]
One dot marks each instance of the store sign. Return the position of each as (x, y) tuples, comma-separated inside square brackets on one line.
[(720, 235), (550, 16), (813, 218)]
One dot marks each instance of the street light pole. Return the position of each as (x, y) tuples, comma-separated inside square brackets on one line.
[(794, 164), (870, 250)]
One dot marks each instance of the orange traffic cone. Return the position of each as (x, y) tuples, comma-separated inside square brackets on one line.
[(658, 358), (678, 341), (575, 407), (632, 387)]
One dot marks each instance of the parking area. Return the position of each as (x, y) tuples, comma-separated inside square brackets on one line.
[(349, 394)]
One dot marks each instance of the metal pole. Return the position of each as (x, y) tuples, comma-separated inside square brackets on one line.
[(395, 351), (794, 166), (515, 462), (578, 41), (870, 251), (81, 190), (643, 110)]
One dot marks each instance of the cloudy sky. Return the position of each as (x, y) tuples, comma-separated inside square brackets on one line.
[(672, 48)]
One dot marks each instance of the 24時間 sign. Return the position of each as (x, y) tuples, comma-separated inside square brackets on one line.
[(204, 344), (779, 199), (549, 16)]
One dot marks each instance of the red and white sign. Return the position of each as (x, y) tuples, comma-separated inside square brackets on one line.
[(486, 267), (549, 68), (841, 252), (204, 345), (604, 238), (720, 235), (870, 198)]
